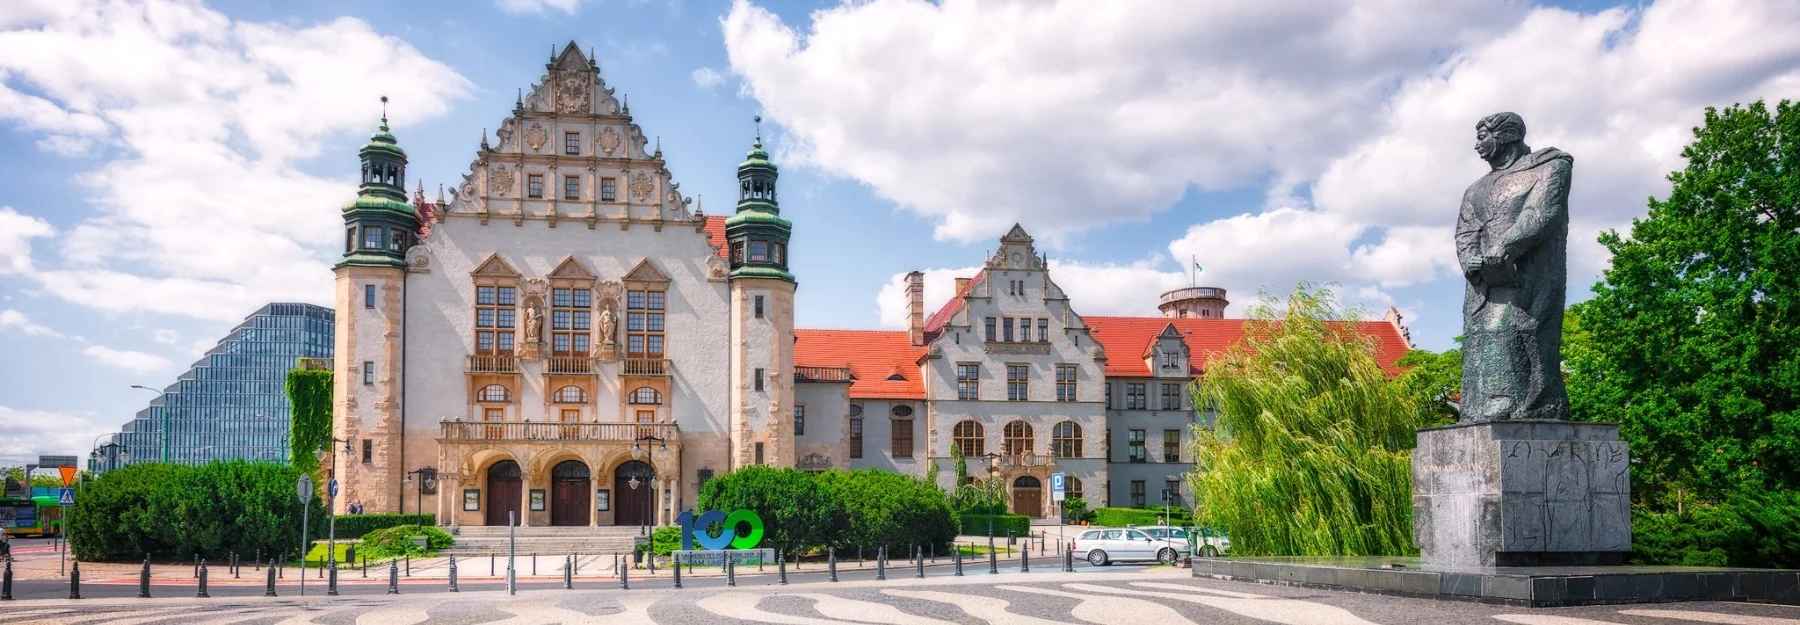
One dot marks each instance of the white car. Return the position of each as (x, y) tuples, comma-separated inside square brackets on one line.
[(1105, 546), (1183, 539)]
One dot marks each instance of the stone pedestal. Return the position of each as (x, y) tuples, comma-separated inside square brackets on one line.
[(1522, 493)]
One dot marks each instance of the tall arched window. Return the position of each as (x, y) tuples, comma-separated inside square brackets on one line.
[(1017, 438), (1065, 440), (646, 395), (970, 437), (571, 395), (493, 393), (1072, 488)]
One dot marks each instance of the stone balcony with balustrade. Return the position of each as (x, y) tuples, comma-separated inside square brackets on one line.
[(505, 431)]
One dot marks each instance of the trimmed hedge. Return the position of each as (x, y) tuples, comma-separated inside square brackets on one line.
[(355, 525), (1121, 517), (175, 512), (845, 509), (977, 524), (394, 542), (1760, 531)]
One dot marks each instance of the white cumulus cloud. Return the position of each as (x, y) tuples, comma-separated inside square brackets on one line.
[(16, 232), (707, 78), (133, 361), (539, 6), (27, 434), (16, 321)]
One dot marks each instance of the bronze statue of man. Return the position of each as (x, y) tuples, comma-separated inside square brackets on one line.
[(1511, 240)]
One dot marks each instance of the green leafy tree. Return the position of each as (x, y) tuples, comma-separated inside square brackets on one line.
[(889, 509), (175, 511), (1310, 454), (309, 404), (796, 510), (1693, 342), (959, 467), (1434, 381), (931, 471)]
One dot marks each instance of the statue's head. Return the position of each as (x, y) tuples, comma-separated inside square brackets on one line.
[(1495, 132)]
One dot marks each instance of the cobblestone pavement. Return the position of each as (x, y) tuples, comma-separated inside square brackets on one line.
[(1159, 596)]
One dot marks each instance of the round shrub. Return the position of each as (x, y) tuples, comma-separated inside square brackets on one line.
[(397, 541)]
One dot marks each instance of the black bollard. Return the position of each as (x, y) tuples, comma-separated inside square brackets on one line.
[(831, 562), (650, 559), (75, 580), (534, 565), (1068, 561), (1025, 561), (258, 561), (781, 568), (365, 567), (271, 588), (576, 557), (331, 581), (568, 582), (393, 577), (196, 567), (993, 559), (234, 565), (932, 549), (730, 569), (144, 579), (624, 573), (956, 556), (6, 581), (202, 594), (453, 573), (677, 569), (919, 561), (409, 566), (490, 565), (881, 563)]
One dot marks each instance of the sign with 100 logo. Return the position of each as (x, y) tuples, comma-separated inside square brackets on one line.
[(695, 530)]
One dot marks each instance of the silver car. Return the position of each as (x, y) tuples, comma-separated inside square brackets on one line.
[(1183, 539), (1105, 546)]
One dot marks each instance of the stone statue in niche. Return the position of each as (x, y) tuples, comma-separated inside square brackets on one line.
[(534, 324), (1511, 240), (609, 325)]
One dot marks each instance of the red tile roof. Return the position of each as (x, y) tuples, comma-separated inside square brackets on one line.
[(872, 356), (715, 234), (1128, 339), (935, 324)]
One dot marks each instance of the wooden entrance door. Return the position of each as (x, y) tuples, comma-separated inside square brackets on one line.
[(632, 506), (1028, 497), (504, 490), (569, 500)]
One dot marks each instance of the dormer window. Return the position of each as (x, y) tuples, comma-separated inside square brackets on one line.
[(737, 252), (371, 238), (759, 251), (779, 252)]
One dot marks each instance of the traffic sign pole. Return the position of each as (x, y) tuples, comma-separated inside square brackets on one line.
[(305, 490)]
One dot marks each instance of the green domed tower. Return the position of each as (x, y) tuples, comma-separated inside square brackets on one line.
[(762, 319), (380, 225)]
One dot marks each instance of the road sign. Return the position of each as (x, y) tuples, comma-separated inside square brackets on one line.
[(331, 488), (58, 461), (1056, 487), (68, 497), (305, 488), (68, 475)]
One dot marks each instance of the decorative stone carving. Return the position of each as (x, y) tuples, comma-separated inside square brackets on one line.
[(609, 290), (534, 324), (1041, 349), (573, 93), (716, 268), (609, 141), (535, 136), (1512, 239), (609, 325), (641, 186), (814, 461), (418, 259), (502, 179), (507, 129)]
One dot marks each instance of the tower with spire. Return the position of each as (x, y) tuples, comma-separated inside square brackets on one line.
[(762, 306), (380, 225)]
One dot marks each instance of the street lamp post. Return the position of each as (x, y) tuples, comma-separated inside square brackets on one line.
[(418, 489), (636, 452), (165, 422), (331, 500), (993, 462)]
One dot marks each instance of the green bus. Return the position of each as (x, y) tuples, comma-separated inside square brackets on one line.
[(30, 516)]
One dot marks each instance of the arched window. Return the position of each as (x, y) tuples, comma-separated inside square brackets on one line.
[(1072, 488), (1065, 440), (970, 437), (855, 410), (1017, 438), (646, 395), (571, 395), (494, 393)]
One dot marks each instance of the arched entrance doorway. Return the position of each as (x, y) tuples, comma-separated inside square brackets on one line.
[(1028, 496), (503, 492), (569, 499), (634, 484)]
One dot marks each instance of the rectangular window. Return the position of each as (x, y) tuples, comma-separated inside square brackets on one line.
[(571, 187), (1108, 389), (609, 189), (856, 437), (1171, 397), (368, 451), (494, 309), (758, 384), (1171, 361), (1065, 382), (1043, 330), (396, 240), (1006, 325), (968, 381), (902, 436), (759, 453), (759, 301), (371, 238), (737, 253), (368, 296), (1018, 382), (759, 251), (1137, 492), (534, 186), (368, 372), (349, 240), (572, 143), (1134, 396), (990, 329), (569, 322), (799, 420), (644, 324), (1171, 445), (1134, 441)]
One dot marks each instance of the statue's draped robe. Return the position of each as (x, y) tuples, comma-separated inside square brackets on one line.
[(1512, 314)]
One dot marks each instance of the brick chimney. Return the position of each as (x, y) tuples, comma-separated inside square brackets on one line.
[(915, 307)]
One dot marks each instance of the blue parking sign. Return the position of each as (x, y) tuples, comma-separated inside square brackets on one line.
[(1056, 487)]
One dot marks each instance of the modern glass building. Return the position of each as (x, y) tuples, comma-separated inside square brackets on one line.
[(231, 404)]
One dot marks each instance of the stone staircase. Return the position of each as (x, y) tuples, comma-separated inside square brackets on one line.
[(482, 540)]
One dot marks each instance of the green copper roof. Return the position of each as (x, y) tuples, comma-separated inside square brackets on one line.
[(374, 202), (758, 217), (383, 141), (362, 259), (761, 272)]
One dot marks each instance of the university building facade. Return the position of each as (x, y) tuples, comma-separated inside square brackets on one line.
[(567, 340)]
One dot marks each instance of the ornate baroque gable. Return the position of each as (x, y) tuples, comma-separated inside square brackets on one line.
[(571, 269), (646, 271), (495, 267)]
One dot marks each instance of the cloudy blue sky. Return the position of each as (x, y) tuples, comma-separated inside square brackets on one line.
[(167, 166)]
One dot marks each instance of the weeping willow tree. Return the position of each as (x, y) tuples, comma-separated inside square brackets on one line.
[(309, 409), (1310, 452)]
